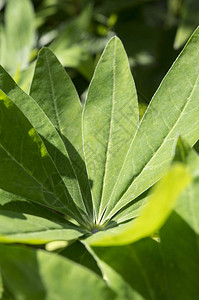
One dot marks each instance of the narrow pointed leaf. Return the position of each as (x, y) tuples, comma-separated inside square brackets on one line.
[(55, 93), (26, 168), (26, 222), (2, 45), (46, 130), (154, 214), (49, 276), (173, 111), (25, 228), (19, 33), (110, 121)]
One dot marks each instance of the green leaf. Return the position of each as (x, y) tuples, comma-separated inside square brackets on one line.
[(48, 133), (189, 17), (26, 222), (19, 28), (189, 156), (35, 274), (6, 197), (79, 58), (153, 268), (173, 111), (187, 206), (55, 93), (25, 77), (154, 214), (138, 269), (3, 46), (26, 168), (179, 239), (110, 121), (25, 228), (78, 253)]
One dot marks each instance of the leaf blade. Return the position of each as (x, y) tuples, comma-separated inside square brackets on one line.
[(55, 93), (49, 276), (162, 123), (46, 131), (110, 112), (153, 215), (26, 168)]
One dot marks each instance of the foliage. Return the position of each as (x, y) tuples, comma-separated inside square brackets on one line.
[(77, 178), (77, 32)]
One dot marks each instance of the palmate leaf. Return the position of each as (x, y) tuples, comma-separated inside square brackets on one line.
[(173, 111), (153, 215), (35, 274), (122, 159)]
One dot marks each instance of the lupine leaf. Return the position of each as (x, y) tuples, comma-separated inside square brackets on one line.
[(110, 121), (55, 93), (35, 274), (26, 168), (154, 214), (164, 268), (47, 132), (173, 111)]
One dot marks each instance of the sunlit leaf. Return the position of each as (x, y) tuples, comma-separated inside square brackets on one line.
[(153, 215)]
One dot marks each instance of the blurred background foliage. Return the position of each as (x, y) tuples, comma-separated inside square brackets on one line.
[(153, 33)]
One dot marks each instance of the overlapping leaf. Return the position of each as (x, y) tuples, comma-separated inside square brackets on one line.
[(25, 222), (173, 111), (48, 133), (122, 159), (26, 168), (35, 274), (54, 92), (153, 215), (166, 267)]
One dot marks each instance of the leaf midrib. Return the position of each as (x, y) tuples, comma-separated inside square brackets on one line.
[(110, 134), (155, 153), (53, 94), (60, 130)]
